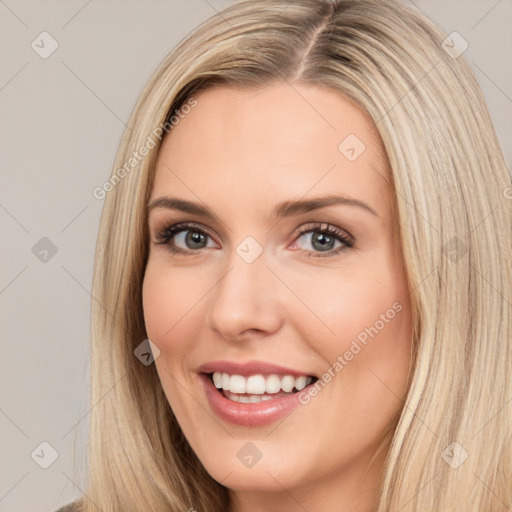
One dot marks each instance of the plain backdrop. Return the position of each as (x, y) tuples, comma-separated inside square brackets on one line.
[(61, 120)]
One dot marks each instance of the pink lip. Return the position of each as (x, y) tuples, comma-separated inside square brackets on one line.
[(248, 368), (248, 415)]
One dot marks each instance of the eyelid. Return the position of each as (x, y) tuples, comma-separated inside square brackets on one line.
[(324, 227)]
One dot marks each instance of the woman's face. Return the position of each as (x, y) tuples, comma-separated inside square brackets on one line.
[(274, 261)]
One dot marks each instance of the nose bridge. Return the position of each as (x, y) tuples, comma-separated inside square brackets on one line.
[(246, 297)]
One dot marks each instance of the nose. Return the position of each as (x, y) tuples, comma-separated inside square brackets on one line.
[(246, 301)]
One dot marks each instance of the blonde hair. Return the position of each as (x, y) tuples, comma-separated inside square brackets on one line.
[(449, 178)]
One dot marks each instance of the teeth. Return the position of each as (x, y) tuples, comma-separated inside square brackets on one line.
[(237, 384), (300, 383), (287, 383), (258, 384), (217, 379), (247, 399), (273, 384)]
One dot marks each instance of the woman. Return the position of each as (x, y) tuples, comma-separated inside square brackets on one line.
[(309, 218)]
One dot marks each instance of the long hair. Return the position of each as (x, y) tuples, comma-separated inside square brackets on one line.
[(451, 449)]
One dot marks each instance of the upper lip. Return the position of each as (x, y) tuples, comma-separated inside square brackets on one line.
[(249, 368)]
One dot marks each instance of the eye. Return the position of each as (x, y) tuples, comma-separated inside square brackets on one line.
[(184, 238), (322, 238), (316, 239)]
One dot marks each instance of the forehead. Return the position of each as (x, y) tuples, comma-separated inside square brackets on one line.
[(276, 142)]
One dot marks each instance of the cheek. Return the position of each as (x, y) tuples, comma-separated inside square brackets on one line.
[(363, 314), (170, 298), (171, 303), (343, 304), (158, 305)]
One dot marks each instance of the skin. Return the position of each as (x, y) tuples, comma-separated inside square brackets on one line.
[(241, 151)]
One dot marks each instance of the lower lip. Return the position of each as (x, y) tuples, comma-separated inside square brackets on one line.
[(248, 415)]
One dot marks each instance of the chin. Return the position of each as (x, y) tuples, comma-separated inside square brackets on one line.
[(232, 467)]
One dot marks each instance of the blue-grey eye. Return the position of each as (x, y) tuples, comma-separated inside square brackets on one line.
[(190, 239), (318, 241)]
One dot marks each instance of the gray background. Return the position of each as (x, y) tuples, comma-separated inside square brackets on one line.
[(61, 121)]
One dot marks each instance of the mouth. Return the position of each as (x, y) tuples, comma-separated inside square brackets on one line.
[(253, 393), (251, 389)]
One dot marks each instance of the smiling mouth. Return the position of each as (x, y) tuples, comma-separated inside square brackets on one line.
[(257, 388)]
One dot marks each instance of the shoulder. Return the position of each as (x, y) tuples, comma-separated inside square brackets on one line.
[(70, 507)]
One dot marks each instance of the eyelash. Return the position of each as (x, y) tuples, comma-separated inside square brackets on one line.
[(165, 234)]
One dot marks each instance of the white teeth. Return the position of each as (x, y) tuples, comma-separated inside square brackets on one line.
[(300, 383), (259, 384), (273, 384), (217, 379), (256, 385), (231, 396), (247, 399), (237, 384), (287, 383)]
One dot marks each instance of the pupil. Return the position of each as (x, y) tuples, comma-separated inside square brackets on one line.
[(194, 238), (324, 240)]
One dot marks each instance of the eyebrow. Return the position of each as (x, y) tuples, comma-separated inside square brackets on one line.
[(284, 209)]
